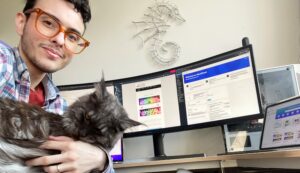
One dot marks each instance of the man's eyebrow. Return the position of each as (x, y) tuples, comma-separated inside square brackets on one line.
[(67, 29), (74, 30)]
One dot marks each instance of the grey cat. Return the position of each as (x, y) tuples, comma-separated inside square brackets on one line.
[(97, 118)]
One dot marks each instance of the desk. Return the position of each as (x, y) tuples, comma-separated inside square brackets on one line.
[(288, 159)]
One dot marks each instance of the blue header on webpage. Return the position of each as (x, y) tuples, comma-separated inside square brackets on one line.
[(217, 70), (288, 111)]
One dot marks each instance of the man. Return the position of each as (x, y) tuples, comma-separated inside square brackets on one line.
[(50, 34)]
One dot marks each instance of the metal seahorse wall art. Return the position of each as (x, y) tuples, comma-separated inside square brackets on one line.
[(157, 20)]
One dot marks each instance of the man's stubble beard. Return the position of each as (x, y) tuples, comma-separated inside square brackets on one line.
[(29, 51)]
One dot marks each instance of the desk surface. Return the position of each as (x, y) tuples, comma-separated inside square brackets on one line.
[(244, 156)]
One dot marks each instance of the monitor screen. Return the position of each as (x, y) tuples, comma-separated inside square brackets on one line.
[(72, 92), (153, 102), (282, 124), (117, 152), (221, 90)]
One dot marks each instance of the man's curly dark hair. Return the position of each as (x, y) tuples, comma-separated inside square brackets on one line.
[(82, 6)]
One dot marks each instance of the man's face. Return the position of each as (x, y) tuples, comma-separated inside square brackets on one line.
[(44, 54)]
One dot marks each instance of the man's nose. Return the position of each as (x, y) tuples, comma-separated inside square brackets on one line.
[(59, 39)]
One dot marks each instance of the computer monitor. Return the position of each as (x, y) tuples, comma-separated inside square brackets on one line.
[(222, 89), (209, 92)]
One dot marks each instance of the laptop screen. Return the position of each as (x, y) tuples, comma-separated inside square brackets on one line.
[(282, 125), (117, 152)]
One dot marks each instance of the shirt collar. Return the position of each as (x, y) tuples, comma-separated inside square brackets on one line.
[(22, 74), (21, 68), (51, 91)]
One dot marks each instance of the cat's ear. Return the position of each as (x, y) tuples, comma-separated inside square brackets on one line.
[(126, 123), (100, 87)]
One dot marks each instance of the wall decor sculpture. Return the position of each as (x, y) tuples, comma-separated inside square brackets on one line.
[(154, 25)]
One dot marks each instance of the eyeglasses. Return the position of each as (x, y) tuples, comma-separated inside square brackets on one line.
[(49, 27)]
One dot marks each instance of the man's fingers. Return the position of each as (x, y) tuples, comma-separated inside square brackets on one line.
[(64, 167), (46, 160), (57, 145), (60, 138)]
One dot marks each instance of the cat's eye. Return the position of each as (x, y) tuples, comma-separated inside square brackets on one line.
[(88, 115)]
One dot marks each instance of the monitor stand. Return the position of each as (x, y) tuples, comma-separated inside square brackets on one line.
[(159, 153), (158, 144)]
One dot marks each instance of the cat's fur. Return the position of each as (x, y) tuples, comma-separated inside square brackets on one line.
[(97, 118)]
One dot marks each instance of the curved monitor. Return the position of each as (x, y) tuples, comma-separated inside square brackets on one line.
[(210, 92)]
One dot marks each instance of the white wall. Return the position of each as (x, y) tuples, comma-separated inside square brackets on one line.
[(211, 27), (8, 10)]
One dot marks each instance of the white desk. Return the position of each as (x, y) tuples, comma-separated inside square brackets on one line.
[(271, 159)]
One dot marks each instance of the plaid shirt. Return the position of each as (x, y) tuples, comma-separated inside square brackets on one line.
[(15, 84), (15, 81)]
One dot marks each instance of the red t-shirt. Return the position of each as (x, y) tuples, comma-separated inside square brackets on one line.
[(37, 96)]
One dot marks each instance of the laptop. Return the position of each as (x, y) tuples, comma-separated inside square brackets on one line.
[(281, 128), (117, 152)]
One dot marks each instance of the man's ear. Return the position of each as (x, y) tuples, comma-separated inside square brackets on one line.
[(20, 21)]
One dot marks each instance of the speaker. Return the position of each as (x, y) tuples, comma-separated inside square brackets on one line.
[(278, 83)]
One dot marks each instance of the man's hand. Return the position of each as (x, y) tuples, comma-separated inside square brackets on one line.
[(75, 157)]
